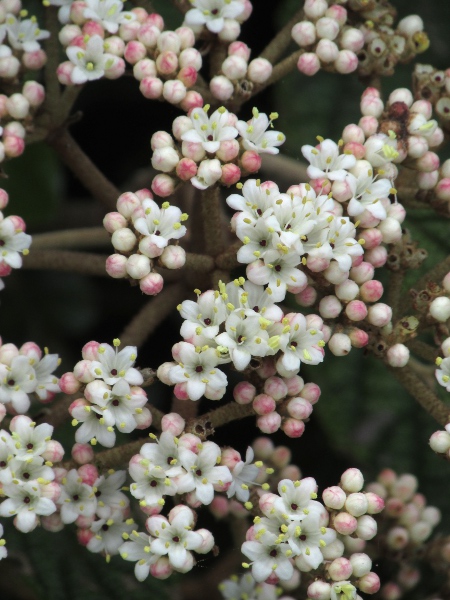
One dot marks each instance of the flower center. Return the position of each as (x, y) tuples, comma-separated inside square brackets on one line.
[(274, 552), (278, 268), (27, 500), (153, 483), (176, 539), (30, 446), (198, 472), (303, 537), (76, 497), (11, 382), (115, 403), (105, 527), (294, 506), (198, 369), (113, 372), (263, 243), (207, 321)]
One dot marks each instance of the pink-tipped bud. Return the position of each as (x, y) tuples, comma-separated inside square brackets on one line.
[(304, 33), (369, 125), (186, 169), (367, 527), (152, 284), (356, 504), (308, 63), (228, 150), (377, 256), (116, 266), (339, 344), (293, 428), (340, 569), (231, 174), (259, 70), (173, 257), (275, 387), (251, 161), (356, 311), (174, 91), (263, 404), (299, 408), (88, 473), (306, 297), (34, 60), (440, 442), (221, 87), (344, 523), (371, 291), (34, 92), (173, 423), (69, 384), (319, 590), (352, 480), (334, 497), (151, 87), (327, 51), (138, 266), (163, 185), (269, 423), (347, 62), (113, 221), (82, 453), (54, 452), (369, 583), (244, 392)]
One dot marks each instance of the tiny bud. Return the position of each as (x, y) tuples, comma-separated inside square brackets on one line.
[(334, 497), (339, 344), (152, 284), (352, 480)]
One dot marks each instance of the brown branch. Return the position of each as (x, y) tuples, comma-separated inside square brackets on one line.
[(394, 292), (423, 350), (212, 220), (220, 416), (151, 315), (202, 263), (423, 394), (63, 260), (82, 166), (57, 413), (437, 274), (281, 69), (228, 261), (86, 237), (281, 41)]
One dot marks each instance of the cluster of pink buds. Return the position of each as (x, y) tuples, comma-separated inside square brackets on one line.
[(238, 76), (19, 41), (112, 396), (328, 41), (208, 151), (27, 478), (434, 85), (220, 17), (13, 240), (26, 371), (16, 112), (410, 522), (140, 233)]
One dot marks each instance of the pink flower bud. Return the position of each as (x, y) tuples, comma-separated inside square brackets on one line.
[(161, 569), (269, 423), (239, 49), (190, 58), (234, 67), (379, 314), (347, 62), (221, 87), (129, 30), (440, 442), (163, 185), (398, 355), (116, 266), (353, 133), (174, 91), (148, 34), (54, 452), (127, 203), (358, 150), (143, 419), (88, 473), (427, 181), (138, 266), (334, 275), (263, 404), (259, 70), (186, 169), (17, 106), (369, 583), (113, 221), (334, 497), (82, 453), (173, 257), (319, 590), (314, 9), (356, 504), (371, 291), (180, 391), (362, 273), (352, 480), (9, 67), (306, 297), (317, 264), (299, 408), (34, 92), (68, 33), (114, 45), (417, 146), (367, 527), (165, 159), (344, 523), (377, 256), (330, 307), (123, 239), (244, 392), (188, 76), (340, 569), (369, 125), (34, 60), (308, 63), (151, 87), (13, 146), (69, 384), (293, 428), (152, 284), (442, 189), (251, 161), (231, 174), (144, 68), (428, 162), (230, 31), (339, 344), (275, 387), (356, 310), (347, 290), (304, 33), (352, 39)]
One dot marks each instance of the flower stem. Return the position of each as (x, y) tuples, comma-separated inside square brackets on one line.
[(63, 260), (86, 237), (281, 41), (212, 221)]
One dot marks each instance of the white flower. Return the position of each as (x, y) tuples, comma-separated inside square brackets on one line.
[(257, 200), (7, 451), (25, 501), (45, 380), (341, 238), (325, 161), (307, 539), (12, 243), (202, 472), (204, 316), (270, 556), (244, 337), (367, 192), (298, 343), (77, 498), (109, 497), (296, 219), (108, 13), (419, 125), (163, 453), (112, 365), (159, 225), (254, 299), (278, 274), (174, 537), (443, 373), (213, 13), (246, 587), (16, 382), (380, 149), (197, 368), (24, 35), (255, 136), (138, 549), (260, 240), (90, 63), (297, 498), (97, 425), (31, 470), (243, 474), (209, 131), (64, 11), (209, 172), (109, 533), (30, 440), (150, 483)]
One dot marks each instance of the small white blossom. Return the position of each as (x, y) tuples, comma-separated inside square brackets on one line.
[(77, 498), (109, 13), (209, 131), (112, 366), (270, 556), (150, 483), (255, 136), (12, 243), (159, 225), (204, 316), (325, 161), (244, 474), (443, 372), (213, 13), (90, 63), (109, 533), (109, 497), (16, 382), (25, 501), (30, 440), (24, 34), (138, 549)]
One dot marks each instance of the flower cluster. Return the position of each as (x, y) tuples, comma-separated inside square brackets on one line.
[(434, 85), (13, 240), (221, 17), (208, 151), (140, 233), (26, 371), (20, 35), (238, 76), (246, 587), (112, 396), (26, 474)]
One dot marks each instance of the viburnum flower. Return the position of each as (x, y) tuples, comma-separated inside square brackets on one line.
[(299, 343), (109, 533), (12, 243), (297, 498), (112, 366), (31, 469), (257, 200), (6, 452), (64, 11), (174, 537), (204, 316), (150, 483), (209, 172), (25, 501), (343, 590), (109, 13), (341, 238), (197, 368), (202, 472), (443, 372), (244, 337), (243, 474), (270, 555), (246, 587), (45, 380), (307, 539), (25, 34), (109, 497), (16, 382), (138, 549), (77, 498), (30, 440), (3, 550), (278, 274), (209, 131), (326, 161), (159, 225), (260, 240), (255, 136), (97, 425), (163, 453), (254, 299), (213, 13), (90, 63), (296, 219), (367, 191)]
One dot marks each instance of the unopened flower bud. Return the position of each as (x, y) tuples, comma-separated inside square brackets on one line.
[(340, 569), (352, 480), (304, 33), (339, 344), (259, 70), (369, 583), (152, 284), (334, 497), (398, 355), (82, 453), (269, 423), (344, 523), (151, 87), (440, 309), (163, 185), (308, 63)]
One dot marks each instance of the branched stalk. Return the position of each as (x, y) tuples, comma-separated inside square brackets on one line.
[(212, 221), (151, 315), (437, 274), (394, 292), (228, 260), (52, 46), (202, 263), (220, 416), (281, 41), (86, 237), (422, 393), (423, 350), (281, 70), (82, 166), (63, 260)]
